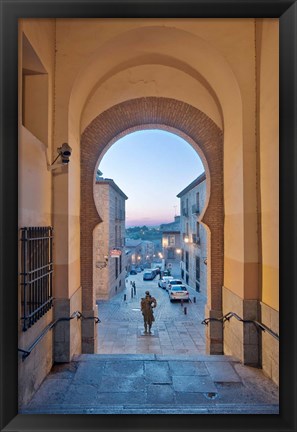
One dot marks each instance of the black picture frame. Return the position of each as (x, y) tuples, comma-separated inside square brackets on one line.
[(11, 11)]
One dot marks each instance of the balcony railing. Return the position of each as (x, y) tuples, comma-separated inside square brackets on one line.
[(195, 209), (196, 239), (185, 212), (120, 215), (120, 242)]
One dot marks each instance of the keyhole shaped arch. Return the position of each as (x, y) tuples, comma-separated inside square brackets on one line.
[(190, 124)]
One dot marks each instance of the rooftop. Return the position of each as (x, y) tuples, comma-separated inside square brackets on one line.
[(194, 183)]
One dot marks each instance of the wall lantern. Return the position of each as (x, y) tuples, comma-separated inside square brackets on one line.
[(205, 260), (102, 264), (186, 239), (64, 152), (178, 251)]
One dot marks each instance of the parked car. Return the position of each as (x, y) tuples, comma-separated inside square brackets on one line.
[(164, 281), (138, 269), (178, 292), (133, 272), (149, 274), (166, 273), (173, 282)]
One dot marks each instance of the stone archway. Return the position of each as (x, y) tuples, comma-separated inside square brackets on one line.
[(205, 136)]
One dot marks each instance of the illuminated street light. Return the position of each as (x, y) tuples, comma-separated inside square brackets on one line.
[(186, 239), (178, 251)]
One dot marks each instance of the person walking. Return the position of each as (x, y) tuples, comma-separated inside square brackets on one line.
[(147, 304)]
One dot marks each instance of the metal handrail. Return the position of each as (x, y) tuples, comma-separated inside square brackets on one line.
[(229, 315), (49, 327)]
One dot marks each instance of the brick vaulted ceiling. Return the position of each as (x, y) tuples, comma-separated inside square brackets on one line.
[(158, 113)]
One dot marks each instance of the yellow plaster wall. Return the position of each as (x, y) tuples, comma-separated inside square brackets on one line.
[(268, 70), (35, 194), (105, 61)]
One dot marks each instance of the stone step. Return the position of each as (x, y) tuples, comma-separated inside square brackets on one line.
[(159, 357), (156, 409)]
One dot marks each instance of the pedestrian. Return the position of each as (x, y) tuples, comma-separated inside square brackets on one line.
[(148, 303)]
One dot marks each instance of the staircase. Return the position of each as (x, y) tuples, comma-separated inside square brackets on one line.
[(154, 384)]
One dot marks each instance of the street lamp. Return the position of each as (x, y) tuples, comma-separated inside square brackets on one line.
[(187, 239), (178, 251)]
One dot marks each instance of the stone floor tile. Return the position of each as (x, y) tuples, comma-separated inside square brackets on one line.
[(89, 373), (157, 372), (81, 393), (160, 394), (114, 368), (112, 384), (193, 384), (187, 368), (52, 391), (222, 373)]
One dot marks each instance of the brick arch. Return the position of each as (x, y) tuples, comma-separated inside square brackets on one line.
[(205, 137)]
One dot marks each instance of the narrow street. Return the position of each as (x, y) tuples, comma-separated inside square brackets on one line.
[(174, 331)]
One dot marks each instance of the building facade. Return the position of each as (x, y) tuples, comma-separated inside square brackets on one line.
[(193, 235), (171, 239), (135, 248), (109, 270)]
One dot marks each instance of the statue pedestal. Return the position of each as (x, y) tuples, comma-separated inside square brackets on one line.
[(152, 333)]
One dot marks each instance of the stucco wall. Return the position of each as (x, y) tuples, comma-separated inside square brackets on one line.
[(268, 147), (35, 186)]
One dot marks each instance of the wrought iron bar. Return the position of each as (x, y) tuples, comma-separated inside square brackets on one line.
[(229, 315), (76, 314), (36, 273)]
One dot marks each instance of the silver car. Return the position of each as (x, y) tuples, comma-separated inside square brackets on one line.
[(178, 292), (164, 281), (173, 281)]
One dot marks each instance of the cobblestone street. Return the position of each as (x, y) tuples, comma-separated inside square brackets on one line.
[(174, 331)]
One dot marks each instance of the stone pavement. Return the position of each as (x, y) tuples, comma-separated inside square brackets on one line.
[(154, 384), (174, 332), (167, 373)]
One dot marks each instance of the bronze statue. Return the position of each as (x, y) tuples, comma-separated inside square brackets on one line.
[(148, 303)]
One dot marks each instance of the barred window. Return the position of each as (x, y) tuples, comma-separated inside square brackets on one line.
[(36, 273)]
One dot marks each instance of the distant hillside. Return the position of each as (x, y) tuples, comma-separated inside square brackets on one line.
[(144, 233)]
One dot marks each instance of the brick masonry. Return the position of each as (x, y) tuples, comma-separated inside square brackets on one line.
[(174, 116)]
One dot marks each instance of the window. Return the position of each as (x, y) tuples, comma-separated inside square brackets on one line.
[(171, 240), (198, 269), (36, 273), (187, 278), (116, 268), (182, 273), (187, 261), (116, 208), (197, 229), (197, 202), (182, 255), (197, 286), (120, 263)]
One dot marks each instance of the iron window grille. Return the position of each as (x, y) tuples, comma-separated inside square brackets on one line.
[(36, 273)]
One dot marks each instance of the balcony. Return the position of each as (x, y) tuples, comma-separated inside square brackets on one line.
[(196, 239), (185, 212), (120, 215), (119, 243), (195, 209)]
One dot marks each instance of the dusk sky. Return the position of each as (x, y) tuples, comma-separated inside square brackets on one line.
[(151, 167)]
